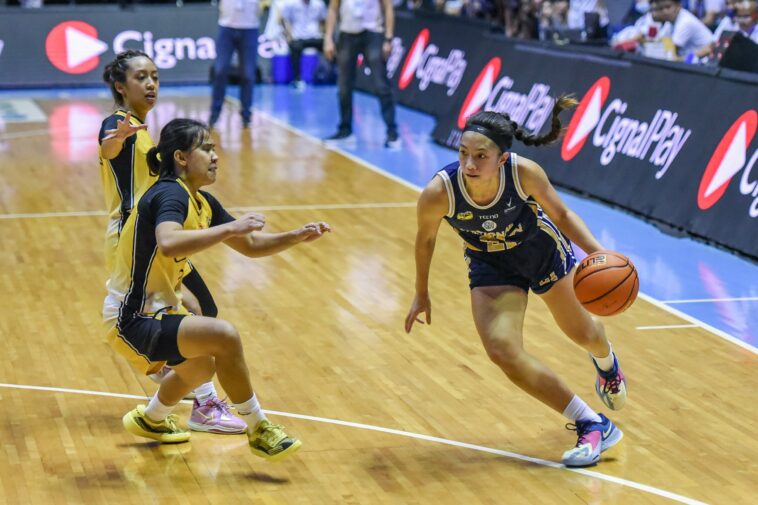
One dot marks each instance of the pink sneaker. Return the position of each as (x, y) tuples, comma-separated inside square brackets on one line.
[(214, 416)]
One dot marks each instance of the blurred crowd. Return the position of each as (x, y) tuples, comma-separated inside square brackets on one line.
[(678, 30)]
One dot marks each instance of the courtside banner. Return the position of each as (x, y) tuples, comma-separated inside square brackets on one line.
[(673, 144), (53, 46)]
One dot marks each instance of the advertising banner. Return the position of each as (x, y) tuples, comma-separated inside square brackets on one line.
[(672, 144), (43, 47)]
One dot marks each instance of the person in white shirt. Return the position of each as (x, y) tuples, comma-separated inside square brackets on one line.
[(366, 27), (688, 35), (742, 16), (237, 31), (302, 21)]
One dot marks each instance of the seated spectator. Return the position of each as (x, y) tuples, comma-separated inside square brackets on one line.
[(578, 9), (667, 32), (553, 17), (303, 27), (709, 11), (742, 16)]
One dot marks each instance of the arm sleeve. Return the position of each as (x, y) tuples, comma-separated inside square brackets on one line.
[(109, 123), (219, 215), (172, 204)]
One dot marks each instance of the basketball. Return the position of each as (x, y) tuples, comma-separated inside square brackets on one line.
[(606, 283)]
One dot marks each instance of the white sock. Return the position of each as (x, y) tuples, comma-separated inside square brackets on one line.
[(250, 412), (156, 411), (205, 392), (606, 363), (577, 410)]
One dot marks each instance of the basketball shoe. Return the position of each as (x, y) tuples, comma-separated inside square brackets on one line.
[(269, 441), (611, 385), (166, 431), (214, 416), (593, 438)]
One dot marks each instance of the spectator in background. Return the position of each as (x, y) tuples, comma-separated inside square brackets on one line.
[(366, 27), (688, 36), (303, 26), (237, 31), (553, 17), (579, 8), (709, 11), (742, 16)]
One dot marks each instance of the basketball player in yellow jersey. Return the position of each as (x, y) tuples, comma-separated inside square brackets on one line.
[(146, 320), (124, 142)]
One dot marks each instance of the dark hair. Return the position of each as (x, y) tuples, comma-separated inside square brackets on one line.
[(505, 128), (178, 135), (115, 71)]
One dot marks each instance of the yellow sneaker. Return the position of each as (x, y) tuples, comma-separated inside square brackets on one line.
[(167, 431), (269, 441)]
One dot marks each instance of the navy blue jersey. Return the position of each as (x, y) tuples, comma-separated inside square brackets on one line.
[(512, 218), (510, 242)]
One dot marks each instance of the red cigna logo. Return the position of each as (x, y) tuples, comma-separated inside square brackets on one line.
[(727, 160), (586, 118), (73, 47), (413, 59), (480, 90)]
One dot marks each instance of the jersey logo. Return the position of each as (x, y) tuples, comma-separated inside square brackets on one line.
[(489, 225), (465, 216)]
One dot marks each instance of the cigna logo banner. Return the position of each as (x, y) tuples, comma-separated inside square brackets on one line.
[(74, 47), (613, 127)]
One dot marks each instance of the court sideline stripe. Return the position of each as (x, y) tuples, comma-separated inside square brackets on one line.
[(551, 464), (381, 171), (269, 208)]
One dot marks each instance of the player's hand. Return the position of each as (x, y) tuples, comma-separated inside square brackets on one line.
[(329, 49), (421, 304), (124, 129), (312, 231), (252, 221)]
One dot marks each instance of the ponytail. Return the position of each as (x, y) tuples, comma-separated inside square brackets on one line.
[(503, 129), (178, 135)]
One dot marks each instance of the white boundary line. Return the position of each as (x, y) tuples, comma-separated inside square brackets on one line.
[(542, 462), (706, 300), (667, 326), (657, 303), (270, 208)]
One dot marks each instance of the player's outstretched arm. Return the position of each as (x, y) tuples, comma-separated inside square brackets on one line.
[(259, 244)]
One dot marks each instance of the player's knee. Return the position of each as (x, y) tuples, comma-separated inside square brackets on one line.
[(504, 354), (226, 338)]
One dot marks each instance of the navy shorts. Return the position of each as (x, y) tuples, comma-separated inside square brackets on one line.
[(535, 264), (153, 337)]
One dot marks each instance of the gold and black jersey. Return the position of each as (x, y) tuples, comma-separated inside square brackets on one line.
[(127, 176), (143, 279)]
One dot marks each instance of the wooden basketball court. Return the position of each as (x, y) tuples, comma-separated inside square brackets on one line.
[(384, 417)]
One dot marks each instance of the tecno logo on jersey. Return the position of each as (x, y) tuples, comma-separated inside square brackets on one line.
[(74, 47), (423, 63), (492, 92), (658, 140), (728, 160)]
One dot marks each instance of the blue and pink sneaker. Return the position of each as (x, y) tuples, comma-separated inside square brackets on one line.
[(611, 385), (593, 438), (214, 416)]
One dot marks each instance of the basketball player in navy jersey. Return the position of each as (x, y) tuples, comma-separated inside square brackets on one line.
[(124, 143), (516, 229), (144, 315)]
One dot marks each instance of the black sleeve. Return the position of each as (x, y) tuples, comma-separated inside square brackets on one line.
[(171, 203), (109, 123), (219, 215)]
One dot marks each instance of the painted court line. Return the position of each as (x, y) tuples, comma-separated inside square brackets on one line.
[(537, 461), (668, 326), (270, 208), (708, 300)]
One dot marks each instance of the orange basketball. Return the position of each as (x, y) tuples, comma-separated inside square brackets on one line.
[(606, 283)]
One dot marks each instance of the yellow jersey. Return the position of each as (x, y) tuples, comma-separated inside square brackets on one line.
[(125, 178)]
